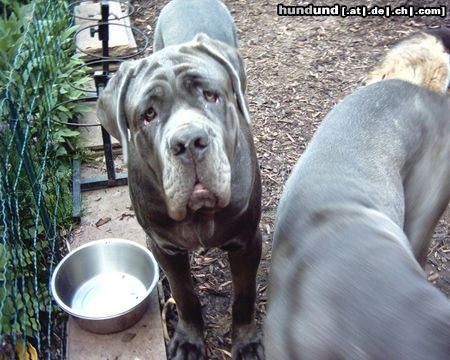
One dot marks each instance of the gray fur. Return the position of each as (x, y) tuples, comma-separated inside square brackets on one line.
[(181, 20), (192, 169), (354, 224)]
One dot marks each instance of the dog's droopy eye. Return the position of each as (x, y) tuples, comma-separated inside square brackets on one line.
[(211, 96), (149, 115)]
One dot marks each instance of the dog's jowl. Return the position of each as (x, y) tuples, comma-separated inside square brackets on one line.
[(182, 118)]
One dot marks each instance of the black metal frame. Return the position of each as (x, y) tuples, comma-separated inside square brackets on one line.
[(101, 79)]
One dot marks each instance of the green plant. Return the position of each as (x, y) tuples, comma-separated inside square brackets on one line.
[(11, 28), (38, 65)]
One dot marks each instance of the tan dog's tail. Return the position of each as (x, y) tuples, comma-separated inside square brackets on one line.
[(422, 59)]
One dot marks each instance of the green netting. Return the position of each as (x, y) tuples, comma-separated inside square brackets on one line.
[(36, 59)]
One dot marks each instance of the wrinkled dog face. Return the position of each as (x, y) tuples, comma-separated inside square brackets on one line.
[(183, 116), (186, 114)]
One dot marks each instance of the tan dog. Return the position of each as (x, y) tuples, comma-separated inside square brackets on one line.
[(422, 59)]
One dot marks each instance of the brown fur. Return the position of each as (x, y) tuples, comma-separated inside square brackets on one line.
[(421, 59)]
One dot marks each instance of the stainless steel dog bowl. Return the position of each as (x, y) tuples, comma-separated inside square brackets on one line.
[(106, 284)]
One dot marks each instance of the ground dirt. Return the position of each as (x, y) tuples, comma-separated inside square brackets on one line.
[(298, 69)]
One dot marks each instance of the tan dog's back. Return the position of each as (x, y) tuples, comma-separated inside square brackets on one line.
[(421, 59)]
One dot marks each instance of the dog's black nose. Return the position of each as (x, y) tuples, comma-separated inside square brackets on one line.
[(190, 143)]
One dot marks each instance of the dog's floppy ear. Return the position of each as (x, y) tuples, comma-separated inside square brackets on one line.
[(230, 58), (111, 105)]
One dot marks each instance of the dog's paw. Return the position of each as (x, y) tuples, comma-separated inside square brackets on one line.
[(248, 350), (183, 348)]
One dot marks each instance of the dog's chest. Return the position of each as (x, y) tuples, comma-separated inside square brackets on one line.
[(195, 233)]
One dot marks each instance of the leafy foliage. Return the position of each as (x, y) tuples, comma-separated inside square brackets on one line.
[(38, 67)]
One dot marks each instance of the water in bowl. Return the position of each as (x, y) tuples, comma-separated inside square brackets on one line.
[(108, 294)]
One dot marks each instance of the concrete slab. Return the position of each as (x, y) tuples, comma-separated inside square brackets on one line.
[(92, 135), (107, 213), (140, 342)]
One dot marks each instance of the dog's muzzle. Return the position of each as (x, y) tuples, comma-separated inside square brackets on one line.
[(195, 164), (190, 144)]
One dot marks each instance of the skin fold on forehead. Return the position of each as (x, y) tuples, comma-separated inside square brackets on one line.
[(163, 79), (125, 98)]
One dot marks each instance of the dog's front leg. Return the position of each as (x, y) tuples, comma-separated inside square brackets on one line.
[(187, 342), (244, 266)]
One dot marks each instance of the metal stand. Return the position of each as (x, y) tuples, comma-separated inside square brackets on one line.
[(101, 80)]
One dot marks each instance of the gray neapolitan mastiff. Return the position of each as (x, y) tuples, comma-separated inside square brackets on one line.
[(354, 225), (182, 118)]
